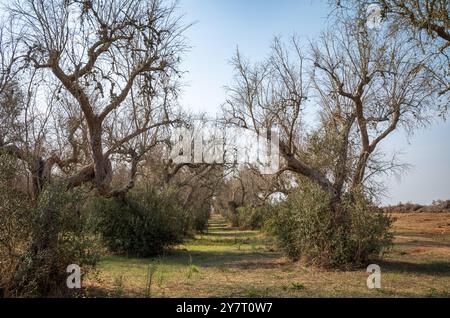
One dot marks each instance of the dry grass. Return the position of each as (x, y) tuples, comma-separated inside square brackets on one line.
[(231, 263)]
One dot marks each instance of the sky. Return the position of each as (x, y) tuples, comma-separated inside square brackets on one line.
[(221, 26)]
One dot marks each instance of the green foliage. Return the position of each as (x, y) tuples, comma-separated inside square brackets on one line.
[(200, 217), (15, 224), (142, 225), (231, 213), (297, 286), (351, 233), (254, 218), (60, 237)]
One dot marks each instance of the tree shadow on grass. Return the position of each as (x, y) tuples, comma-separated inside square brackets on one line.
[(222, 258), (227, 241), (423, 244), (436, 268), (232, 235), (224, 228)]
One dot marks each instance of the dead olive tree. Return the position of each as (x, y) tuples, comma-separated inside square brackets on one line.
[(96, 85), (334, 107), (429, 16), (366, 83), (377, 84), (111, 67), (426, 23), (275, 92)]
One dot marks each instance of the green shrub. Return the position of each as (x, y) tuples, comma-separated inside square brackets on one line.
[(231, 213), (15, 221), (308, 228), (142, 225), (199, 218), (254, 218), (59, 237)]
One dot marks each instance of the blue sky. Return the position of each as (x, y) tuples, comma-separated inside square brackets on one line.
[(223, 25)]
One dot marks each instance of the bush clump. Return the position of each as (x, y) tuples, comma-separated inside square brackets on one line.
[(15, 224), (59, 237), (254, 217), (143, 224), (200, 218), (308, 228)]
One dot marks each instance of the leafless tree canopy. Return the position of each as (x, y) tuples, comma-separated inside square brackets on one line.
[(361, 85), (426, 23), (87, 87), (104, 74)]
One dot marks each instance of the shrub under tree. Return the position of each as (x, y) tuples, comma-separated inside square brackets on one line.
[(308, 229), (143, 224)]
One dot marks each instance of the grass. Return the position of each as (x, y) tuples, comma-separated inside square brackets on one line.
[(227, 262)]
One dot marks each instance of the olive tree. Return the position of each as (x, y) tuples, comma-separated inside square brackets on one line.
[(426, 23), (367, 84), (335, 106), (109, 69), (85, 88)]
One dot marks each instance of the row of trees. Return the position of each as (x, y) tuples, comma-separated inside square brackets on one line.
[(362, 84), (89, 97)]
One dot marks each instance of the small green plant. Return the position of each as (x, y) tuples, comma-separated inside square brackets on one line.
[(435, 293), (151, 271), (253, 292), (161, 278), (118, 286), (297, 286), (191, 268), (224, 269)]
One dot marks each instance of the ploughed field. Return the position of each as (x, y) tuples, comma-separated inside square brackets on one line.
[(227, 262)]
